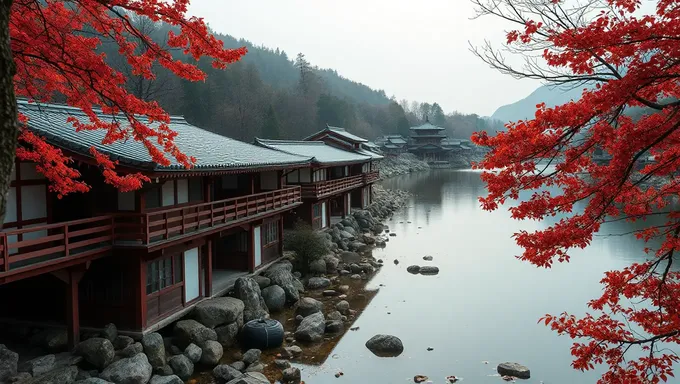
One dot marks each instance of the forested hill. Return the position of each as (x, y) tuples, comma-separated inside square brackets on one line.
[(271, 94)]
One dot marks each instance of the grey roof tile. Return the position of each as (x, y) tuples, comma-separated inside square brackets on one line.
[(427, 126), (212, 151), (321, 152)]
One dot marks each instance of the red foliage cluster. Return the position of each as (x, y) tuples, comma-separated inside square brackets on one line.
[(54, 44), (631, 114)]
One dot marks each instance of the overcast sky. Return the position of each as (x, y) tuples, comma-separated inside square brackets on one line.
[(415, 50)]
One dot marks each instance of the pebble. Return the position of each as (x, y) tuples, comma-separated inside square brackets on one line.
[(396, 261), (354, 329), (329, 292), (430, 349), (419, 378)]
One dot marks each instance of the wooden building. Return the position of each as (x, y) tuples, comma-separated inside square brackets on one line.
[(393, 145), (426, 142), (144, 258), (337, 181)]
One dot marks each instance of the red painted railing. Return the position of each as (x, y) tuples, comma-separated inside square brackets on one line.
[(328, 187), (52, 243), (371, 177), (165, 224), (44, 245)]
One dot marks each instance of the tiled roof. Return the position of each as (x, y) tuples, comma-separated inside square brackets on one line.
[(340, 132), (320, 152), (212, 151), (397, 140), (391, 146), (371, 144), (366, 152), (427, 126)]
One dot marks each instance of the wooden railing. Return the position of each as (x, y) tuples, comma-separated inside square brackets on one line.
[(51, 243), (56, 243), (151, 227), (328, 187), (371, 177)]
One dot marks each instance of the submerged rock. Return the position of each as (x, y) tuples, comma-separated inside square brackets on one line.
[(513, 369), (291, 376), (429, 270), (385, 345), (414, 269), (427, 258)]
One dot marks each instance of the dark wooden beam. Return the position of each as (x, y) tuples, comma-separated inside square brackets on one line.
[(208, 270)]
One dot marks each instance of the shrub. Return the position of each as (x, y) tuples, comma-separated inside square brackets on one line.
[(308, 245)]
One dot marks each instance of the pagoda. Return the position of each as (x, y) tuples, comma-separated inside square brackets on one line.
[(426, 142)]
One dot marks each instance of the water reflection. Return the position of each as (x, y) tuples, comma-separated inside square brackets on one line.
[(483, 306)]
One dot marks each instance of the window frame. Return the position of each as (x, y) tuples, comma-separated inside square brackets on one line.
[(270, 233), (164, 281)]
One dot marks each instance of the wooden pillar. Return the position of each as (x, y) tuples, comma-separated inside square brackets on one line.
[(72, 277), (208, 269), (281, 235), (251, 250), (252, 183), (207, 187)]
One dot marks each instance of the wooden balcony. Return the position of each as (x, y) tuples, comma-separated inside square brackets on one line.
[(371, 177), (166, 224), (325, 188), (45, 248)]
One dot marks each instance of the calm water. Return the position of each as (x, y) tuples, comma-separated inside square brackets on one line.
[(484, 304)]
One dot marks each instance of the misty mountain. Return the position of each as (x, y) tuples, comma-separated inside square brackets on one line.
[(526, 108)]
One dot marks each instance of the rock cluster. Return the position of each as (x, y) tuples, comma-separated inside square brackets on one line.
[(248, 370), (400, 165)]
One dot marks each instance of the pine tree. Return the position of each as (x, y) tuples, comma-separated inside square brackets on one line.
[(271, 128)]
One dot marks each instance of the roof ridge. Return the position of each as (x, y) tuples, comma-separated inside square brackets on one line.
[(284, 141)]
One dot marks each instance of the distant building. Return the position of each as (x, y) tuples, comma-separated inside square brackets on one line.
[(427, 142), (393, 145)]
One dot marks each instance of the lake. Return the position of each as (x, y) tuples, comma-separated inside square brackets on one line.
[(483, 307)]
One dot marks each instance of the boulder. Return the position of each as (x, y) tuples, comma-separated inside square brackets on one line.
[(66, 375), (218, 311), (132, 370), (429, 270), (8, 363), (226, 372), (212, 353), (331, 263), (355, 268), (385, 345), (291, 376), (307, 306), (343, 289), (110, 332), (37, 366), (344, 234), (281, 275), (255, 367), (121, 342), (262, 281), (172, 379), (513, 369), (83, 375), (227, 334), (191, 331), (298, 285), (311, 328), (181, 366), (335, 315), (318, 283), (163, 371), (96, 351), (251, 378), (93, 380), (414, 269), (292, 351), (251, 356), (274, 297), (52, 339), (344, 272), (334, 326), (317, 267), (342, 307), (194, 352), (20, 377), (154, 349), (355, 276), (281, 364), (238, 365), (367, 268), (131, 350), (249, 292)]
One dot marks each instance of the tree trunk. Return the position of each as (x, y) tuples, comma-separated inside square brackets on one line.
[(8, 108)]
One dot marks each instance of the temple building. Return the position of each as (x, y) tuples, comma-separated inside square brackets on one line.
[(143, 259), (426, 142)]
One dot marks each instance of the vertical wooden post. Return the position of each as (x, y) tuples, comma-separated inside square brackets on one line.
[(251, 251), (72, 316), (252, 183), (281, 236), (208, 269), (140, 296)]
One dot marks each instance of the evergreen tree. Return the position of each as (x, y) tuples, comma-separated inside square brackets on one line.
[(271, 128)]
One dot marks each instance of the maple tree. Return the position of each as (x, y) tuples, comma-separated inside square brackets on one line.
[(627, 63), (49, 48)]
